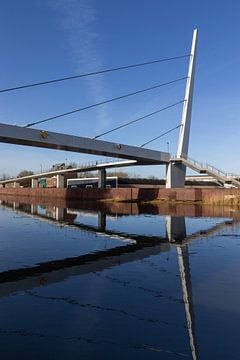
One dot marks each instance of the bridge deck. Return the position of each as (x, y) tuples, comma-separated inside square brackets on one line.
[(31, 137)]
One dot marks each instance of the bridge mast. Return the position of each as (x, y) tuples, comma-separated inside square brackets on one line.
[(176, 173)]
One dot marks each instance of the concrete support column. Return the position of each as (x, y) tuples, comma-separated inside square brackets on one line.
[(15, 184), (102, 178), (60, 181), (34, 183), (175, 177)]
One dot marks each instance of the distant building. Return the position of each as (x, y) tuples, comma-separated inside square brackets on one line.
[(120, 182), (51, 182), (60, 166), (111, 182)]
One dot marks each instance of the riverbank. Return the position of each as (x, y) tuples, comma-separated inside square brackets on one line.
[(186, 195)]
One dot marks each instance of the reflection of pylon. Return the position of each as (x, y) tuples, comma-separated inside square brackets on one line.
[(185, 274)]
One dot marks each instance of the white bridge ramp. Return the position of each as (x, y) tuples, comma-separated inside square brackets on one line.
[(221, 176)]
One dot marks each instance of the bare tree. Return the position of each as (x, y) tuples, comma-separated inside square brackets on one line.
[(4, 177), (72, 165), (25, 173), (121, 174)]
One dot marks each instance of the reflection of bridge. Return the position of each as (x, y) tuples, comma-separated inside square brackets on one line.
[(64, 217), (135, 248)]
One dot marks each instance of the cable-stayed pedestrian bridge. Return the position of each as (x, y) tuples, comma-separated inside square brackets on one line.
[(133, 155)]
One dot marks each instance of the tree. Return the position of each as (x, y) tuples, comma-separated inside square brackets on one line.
[(121, 174), (4, 177), (25, 173), (72, 165), (88, 174), (153, 177)]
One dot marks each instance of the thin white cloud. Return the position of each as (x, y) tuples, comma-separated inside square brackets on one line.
[(78, 19)]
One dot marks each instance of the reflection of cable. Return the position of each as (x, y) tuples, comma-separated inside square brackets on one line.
[(138, 119), (91, 74)]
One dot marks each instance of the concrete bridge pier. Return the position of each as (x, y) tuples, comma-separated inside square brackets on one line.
[(175, 175), (101, 178), (60, 181), (34, 183)]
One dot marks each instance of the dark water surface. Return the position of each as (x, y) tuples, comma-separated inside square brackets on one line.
[(118, 281)]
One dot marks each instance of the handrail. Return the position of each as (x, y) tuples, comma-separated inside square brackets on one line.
[(216, 170), (86, 165), (206, 166)]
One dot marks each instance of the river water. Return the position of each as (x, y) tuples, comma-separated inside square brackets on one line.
[(118, 281)]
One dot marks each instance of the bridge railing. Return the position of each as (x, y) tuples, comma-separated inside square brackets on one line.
[(195, 162), (85, 165), (208, 166), (189, 159), (216, 170)]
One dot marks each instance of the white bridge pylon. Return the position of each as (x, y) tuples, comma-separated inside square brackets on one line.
[(176, 173)]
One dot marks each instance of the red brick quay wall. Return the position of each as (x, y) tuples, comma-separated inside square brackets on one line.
[(195, 195)]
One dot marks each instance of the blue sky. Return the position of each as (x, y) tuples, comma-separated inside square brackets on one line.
[(54, 38)]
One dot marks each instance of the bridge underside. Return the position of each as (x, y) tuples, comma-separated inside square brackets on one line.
[(45, 139)]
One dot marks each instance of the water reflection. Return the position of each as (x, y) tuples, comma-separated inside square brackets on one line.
[(135, 247), (86, 217)]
